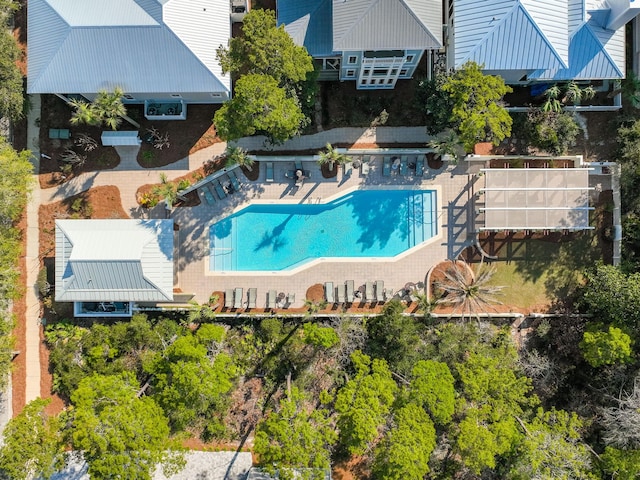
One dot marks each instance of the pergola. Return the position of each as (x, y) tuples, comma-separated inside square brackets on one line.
[(536, 199)]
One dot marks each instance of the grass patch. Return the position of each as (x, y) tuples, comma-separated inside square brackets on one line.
[(519, 291)]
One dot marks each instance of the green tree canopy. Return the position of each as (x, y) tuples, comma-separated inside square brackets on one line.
[(405, 450), (33, 444), (106, 108), (432, 386), (265, 49), (259, 106), (601, 346), (621, 464), (119, 434), (476, 110), (552, 449), (364, 403), (11, 95), (295, 437)]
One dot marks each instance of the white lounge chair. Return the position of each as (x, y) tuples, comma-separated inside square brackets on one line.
[(368, 292), (253, 294), (237, 298), (349, 286), (271, 299), (379, 291), (341, 296), (228, 298), (329, 292)]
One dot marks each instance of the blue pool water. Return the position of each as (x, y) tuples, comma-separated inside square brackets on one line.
[(365, 223)]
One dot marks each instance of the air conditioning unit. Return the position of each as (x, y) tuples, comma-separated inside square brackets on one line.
[(239, 8)]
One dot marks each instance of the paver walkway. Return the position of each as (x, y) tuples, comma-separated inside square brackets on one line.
[(128, 176)]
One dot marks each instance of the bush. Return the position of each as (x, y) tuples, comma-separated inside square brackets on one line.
[(605, 347), (552, 131)]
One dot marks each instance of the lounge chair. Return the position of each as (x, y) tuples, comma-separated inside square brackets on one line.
[(364, 167), (212, 191), (219, 190), (253, 294), (329, 292), (404, 165), (379, 291), (207, 196), (349, 286), (386, 167), (237, 298), (348, 169), (228, 298), (271, 299), (420, 166), (341, 293), (269, 175), (234, 180), (291, 299), (368, 292), (298, 164), (388, 294)]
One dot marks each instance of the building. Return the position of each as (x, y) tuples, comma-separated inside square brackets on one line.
[(159, 52), (105, 266), (527, 41), (372, 42)]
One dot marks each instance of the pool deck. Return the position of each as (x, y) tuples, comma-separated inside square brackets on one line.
[(192, 240)]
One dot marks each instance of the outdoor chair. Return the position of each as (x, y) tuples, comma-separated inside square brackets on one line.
[(253, 294), (379, 291), (420, 166), (237, 300), (348, 169), (404, 165), (207, 196), (269, 175), (368, 292), (349, 286), (234, 180), (271, 299), (341, 293), (228, 298), (329, 292), (291, 299), (220, 190), (388, 294), (364, 167), (386, 167), (212, 191), (298, 164)]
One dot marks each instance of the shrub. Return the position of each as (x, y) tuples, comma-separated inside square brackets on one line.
[(605, 347)]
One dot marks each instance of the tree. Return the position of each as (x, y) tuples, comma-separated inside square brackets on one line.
[(265, 49), (612, 296), (11, 89), (476, 109), (467, 291), (605, 347), (432, 387), (552, 449), (33, 444), (119, 434), (238, 156), (364, 403), (552, 131), (259, 106), (395, 338), (405, 450), (294, 437), (438, 103), (325, 337), (331, 156), (621, 464), (621, 422), (106, 108)]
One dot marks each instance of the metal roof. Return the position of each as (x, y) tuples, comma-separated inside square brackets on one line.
[(386, 25), (536, 199), (515, 43), (114, 260), (557, 39), (167, 48), (309, 24)]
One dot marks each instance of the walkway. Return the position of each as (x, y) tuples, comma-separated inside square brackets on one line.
[(128, 176)]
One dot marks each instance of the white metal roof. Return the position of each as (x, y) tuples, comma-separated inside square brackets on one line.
[(387, 24), (141, 46), (114, 260), (536, 199)]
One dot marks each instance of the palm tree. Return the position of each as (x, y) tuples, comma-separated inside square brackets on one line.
[(331, 156), (238, 156), (84, 113), (110, 108), (467, 291), (551, 103), (446, 144), (166, 190)]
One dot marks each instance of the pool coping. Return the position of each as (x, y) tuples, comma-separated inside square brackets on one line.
[(326, 260)]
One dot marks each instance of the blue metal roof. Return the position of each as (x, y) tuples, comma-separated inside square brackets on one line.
[(309, 24), (588, 60), (515, 42)]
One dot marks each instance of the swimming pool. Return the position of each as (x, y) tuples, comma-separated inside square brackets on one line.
[(364, 223)]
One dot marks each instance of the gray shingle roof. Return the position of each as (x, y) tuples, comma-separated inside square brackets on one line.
[(114, 260), (141, 46)]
